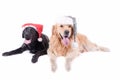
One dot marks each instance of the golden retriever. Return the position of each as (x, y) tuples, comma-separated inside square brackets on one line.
[(61, 44)]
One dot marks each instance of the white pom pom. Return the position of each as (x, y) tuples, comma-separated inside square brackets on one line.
[(75, 45), (39, 39)]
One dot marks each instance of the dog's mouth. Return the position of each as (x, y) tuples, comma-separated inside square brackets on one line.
[(27, 41), (65, 40)]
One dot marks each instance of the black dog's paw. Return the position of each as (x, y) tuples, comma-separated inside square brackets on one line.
[(34, 59), (6, 54)]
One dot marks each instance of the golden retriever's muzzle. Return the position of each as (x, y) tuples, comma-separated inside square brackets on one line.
[(65, 37), (66, 33)]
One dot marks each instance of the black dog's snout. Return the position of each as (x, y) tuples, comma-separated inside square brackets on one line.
[(27, 38), (66, 32)]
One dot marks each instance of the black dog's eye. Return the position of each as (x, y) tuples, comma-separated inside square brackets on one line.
[(61, 25)]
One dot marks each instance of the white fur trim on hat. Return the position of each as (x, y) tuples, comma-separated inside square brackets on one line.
[(30, 26), (64, 20)]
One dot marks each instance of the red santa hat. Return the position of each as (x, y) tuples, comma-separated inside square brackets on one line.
[(37, 27)]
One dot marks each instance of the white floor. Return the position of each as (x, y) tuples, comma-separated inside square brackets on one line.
[(99, 20)]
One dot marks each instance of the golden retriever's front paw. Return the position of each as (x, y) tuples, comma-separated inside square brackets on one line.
[(68, 67), (53, 68)]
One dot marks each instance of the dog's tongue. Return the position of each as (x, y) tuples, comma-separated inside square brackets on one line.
[(65, 41), (27, 41)]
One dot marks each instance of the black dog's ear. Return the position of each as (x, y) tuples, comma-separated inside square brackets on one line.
[(23, 34)]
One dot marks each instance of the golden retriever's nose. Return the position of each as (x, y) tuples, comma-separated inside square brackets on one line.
[(66, 33)]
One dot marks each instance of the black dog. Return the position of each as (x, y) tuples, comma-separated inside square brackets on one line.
[(38, 48)]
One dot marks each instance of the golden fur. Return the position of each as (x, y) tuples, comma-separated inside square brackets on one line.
[(57, 48)]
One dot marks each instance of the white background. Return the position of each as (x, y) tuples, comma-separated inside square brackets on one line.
[(99, 20)]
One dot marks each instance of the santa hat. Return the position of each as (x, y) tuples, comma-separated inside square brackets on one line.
[(64, 20), (37, 27)]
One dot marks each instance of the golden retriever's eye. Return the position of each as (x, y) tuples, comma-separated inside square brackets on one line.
[(61, 25), (69, 26)]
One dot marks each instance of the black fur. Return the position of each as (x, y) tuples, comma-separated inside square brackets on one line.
[(35, 47)]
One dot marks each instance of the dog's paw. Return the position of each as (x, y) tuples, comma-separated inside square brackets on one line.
[(34, 59), (53, 68), (68, 66), (6, 54)]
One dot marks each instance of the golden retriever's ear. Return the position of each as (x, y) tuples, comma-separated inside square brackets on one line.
[(72, 33), (54, 30)]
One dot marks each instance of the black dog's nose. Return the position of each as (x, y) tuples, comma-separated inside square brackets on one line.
[(27, 37), (66, 32)]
